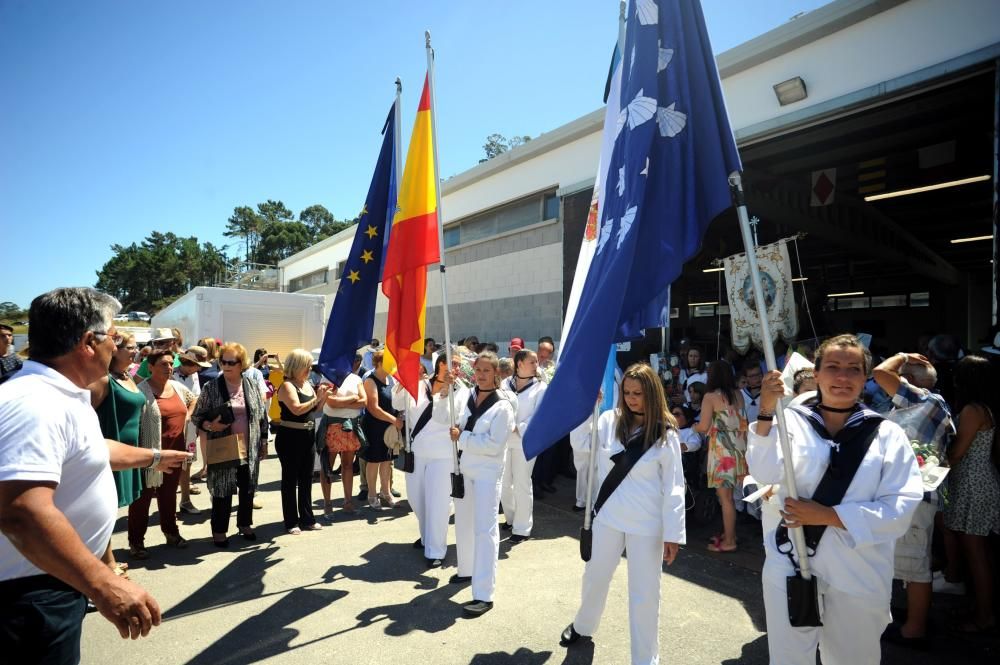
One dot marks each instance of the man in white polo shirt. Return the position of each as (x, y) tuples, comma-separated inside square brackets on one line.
[(57, 494)]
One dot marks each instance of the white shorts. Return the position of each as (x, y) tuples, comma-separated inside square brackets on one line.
[(912, 562)]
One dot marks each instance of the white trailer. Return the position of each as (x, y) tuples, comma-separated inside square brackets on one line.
[(276, 321)]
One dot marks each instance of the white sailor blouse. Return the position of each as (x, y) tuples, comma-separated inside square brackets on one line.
[(650, 501), (483, 448), (433, 441), (876, 510)]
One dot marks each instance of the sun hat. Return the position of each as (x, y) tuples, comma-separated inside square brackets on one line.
[(161, 334), (195, 354)]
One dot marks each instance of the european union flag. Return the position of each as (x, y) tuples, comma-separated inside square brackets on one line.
[(353, 312), (667, 180)]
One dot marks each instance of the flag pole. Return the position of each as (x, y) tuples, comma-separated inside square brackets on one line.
[(397, 142), (458, 486), (586, 535), (739, 199)]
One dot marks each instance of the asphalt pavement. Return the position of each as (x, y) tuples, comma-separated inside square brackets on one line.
[(357, 592)]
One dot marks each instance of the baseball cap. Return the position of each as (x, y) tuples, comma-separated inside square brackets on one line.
[(516, 344)]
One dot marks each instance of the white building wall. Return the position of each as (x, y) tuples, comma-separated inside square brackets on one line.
[(899, 41), (565, 165)]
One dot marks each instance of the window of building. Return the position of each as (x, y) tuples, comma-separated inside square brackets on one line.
[(525, 212), (550, 207), (340, 268), (307, 281), (852, 303), (889, 301), (922, 299)]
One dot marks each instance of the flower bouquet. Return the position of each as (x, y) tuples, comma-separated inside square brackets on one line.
[(930, 465)]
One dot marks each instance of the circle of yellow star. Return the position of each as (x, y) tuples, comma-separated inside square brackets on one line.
[(354, 276), (367, 256), (371, 232), (364, 210)]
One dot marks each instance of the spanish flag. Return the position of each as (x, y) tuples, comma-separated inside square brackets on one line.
[(413, 245)]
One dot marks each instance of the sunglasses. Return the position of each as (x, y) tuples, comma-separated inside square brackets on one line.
[(230, 363), (116, 339)]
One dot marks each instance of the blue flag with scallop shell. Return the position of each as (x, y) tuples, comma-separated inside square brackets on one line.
[(667, 180)]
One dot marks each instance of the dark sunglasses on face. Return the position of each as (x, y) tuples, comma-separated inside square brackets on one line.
[(230, 363)]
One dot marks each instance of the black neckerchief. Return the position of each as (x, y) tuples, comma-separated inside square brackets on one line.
[(476, 411), (624, 461), (425, 416), (512, 383), (847, 451)]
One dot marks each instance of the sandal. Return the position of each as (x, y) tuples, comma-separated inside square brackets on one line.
[(175, 540), (716, 546)]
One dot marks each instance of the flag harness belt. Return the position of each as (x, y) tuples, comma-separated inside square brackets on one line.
[(848, 450)]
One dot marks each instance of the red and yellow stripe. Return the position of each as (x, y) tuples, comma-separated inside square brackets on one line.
[(413, 245)]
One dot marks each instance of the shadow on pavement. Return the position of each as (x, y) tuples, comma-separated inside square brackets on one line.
[(753, 653), (386, 562), (241, 580), (430, 612), (522, 656), (267, 634)]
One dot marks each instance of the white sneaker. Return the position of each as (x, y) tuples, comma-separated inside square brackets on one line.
[(940, 585)]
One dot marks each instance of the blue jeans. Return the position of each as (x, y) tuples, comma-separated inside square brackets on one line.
[(41, 619)]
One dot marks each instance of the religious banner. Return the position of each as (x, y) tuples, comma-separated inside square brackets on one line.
[(779, 297)]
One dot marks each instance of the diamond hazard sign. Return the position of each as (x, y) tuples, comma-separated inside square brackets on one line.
[(824, 184)]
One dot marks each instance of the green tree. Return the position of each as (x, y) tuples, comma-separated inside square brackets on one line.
[(321, 222), (246, 224), (10, 311), (279, 240), (497, 144), (149, 275)]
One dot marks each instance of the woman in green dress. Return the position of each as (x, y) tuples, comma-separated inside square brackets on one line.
[(119, 406)]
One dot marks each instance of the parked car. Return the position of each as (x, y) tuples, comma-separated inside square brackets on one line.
[(121, 317), (138, 316)]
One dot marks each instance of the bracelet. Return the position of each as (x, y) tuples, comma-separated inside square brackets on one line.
[(156, 458), (766, 417)]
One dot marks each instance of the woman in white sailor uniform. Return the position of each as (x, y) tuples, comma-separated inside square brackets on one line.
[(640, 508), (864, 484), (428, 488), (516, 490), (485, 423)]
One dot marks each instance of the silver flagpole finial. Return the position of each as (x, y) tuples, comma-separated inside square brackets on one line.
[(427, 38)]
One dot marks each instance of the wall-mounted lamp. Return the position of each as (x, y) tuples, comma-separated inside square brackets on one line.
[(791, 91)]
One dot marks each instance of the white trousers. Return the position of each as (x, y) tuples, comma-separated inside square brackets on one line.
[(580, 461), (645, 565), (516, 491), (428, 490), (477, 534), (850, 634)]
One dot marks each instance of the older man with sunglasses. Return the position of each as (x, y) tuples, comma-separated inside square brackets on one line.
[(57, 495)]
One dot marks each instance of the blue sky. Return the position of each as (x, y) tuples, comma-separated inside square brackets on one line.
[(121, 118)]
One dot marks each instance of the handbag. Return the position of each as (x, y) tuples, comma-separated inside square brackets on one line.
[(229, 448), (392, 440), (224, 410)]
